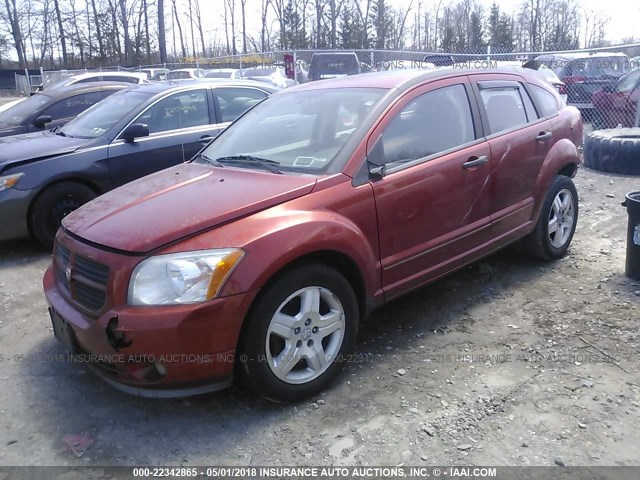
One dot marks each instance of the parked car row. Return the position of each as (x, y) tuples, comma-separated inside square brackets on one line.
[(256, 258), (138, 130), (585, 73), (53, 107), (619, 104)]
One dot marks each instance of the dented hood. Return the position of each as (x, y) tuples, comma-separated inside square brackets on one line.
[(35, 146), (175, 203)]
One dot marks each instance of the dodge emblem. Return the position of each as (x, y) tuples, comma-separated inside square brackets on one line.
[(67, 274)]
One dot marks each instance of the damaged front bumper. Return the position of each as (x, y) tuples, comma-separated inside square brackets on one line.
[(168, 351)]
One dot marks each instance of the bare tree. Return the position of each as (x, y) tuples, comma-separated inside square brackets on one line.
[(401, 22), (124, 18), (147, 36), (243, 4), (279, 7), (74, 23), (98, 29), (63, 42), (196, 4), (264, 11), (232, 16), (162, 40), (177, 20)]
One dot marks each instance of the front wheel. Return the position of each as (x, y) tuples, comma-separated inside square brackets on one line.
[(298, 330), (557, 222), (52, 205)]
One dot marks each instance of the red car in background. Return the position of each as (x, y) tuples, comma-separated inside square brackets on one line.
[(257, 260), (618, 105)]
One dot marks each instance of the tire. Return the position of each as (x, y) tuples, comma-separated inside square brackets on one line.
[(52, 205), (542, 243), (294, 341), (616, 150)]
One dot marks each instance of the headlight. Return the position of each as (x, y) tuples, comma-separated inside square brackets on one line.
[(189, 277), (9, 181)]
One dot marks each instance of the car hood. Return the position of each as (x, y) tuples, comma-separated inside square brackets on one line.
[(36, 146), (178, 202)]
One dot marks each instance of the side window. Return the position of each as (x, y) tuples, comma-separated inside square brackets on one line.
[(505, 108), (120, 78), (89, 80), (547, 102), (434, 122), (235, 101), (529, 109), (628, 82), (72, 106), (180, 110)]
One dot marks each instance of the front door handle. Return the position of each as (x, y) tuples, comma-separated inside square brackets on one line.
[(475, 161), (205, 139), (544, 136)]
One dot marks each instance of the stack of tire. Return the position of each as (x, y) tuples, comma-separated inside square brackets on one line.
[(616, 150)]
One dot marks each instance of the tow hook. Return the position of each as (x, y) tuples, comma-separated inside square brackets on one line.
[(116, 339)]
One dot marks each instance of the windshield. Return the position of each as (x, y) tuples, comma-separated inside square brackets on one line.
[(95, 121), (334, 64), (218, 75), (302, 131), (258, 72), (177, 75), (598, 66), (18, 113)]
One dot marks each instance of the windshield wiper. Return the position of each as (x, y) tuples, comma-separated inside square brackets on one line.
[(270, 165), (206, 159)]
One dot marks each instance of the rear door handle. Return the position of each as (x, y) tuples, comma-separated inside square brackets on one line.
[(475, 161), (544, 136)]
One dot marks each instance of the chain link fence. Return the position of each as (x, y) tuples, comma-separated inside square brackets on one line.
[(604, 83)]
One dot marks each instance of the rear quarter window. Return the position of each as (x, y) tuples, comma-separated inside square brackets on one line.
[(547, 102)]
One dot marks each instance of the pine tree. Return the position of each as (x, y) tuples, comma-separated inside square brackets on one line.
[(476, 34), (500, 31), (381, 22)]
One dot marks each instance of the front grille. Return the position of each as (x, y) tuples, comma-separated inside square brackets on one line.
[(84, 280), (92, 271)]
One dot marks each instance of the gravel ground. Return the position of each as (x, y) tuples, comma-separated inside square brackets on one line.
[(502, 363)]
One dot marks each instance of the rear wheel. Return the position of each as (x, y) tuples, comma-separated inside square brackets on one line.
[(300, 326), (557, 222), (52, 205)]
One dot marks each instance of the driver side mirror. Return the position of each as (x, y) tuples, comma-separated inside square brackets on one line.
[(135, 130), (41, 121), (376, 160)]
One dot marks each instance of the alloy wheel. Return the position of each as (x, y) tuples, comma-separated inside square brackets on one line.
[(561, 218), (305, 335)]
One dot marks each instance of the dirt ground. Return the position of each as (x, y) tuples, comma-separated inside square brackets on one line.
[(501, 363)]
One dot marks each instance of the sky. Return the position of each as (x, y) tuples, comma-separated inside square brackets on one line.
[(624, 14)]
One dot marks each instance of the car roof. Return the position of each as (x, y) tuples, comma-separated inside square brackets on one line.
[(62, 91), (177, 85), (350, 54), (400, 79), (100, 74), (578, 55)]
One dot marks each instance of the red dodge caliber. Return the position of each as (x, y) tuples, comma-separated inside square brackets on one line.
[(257, 259)]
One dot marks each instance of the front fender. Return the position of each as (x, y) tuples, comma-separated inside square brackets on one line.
[(296, 234), (563, 154)]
